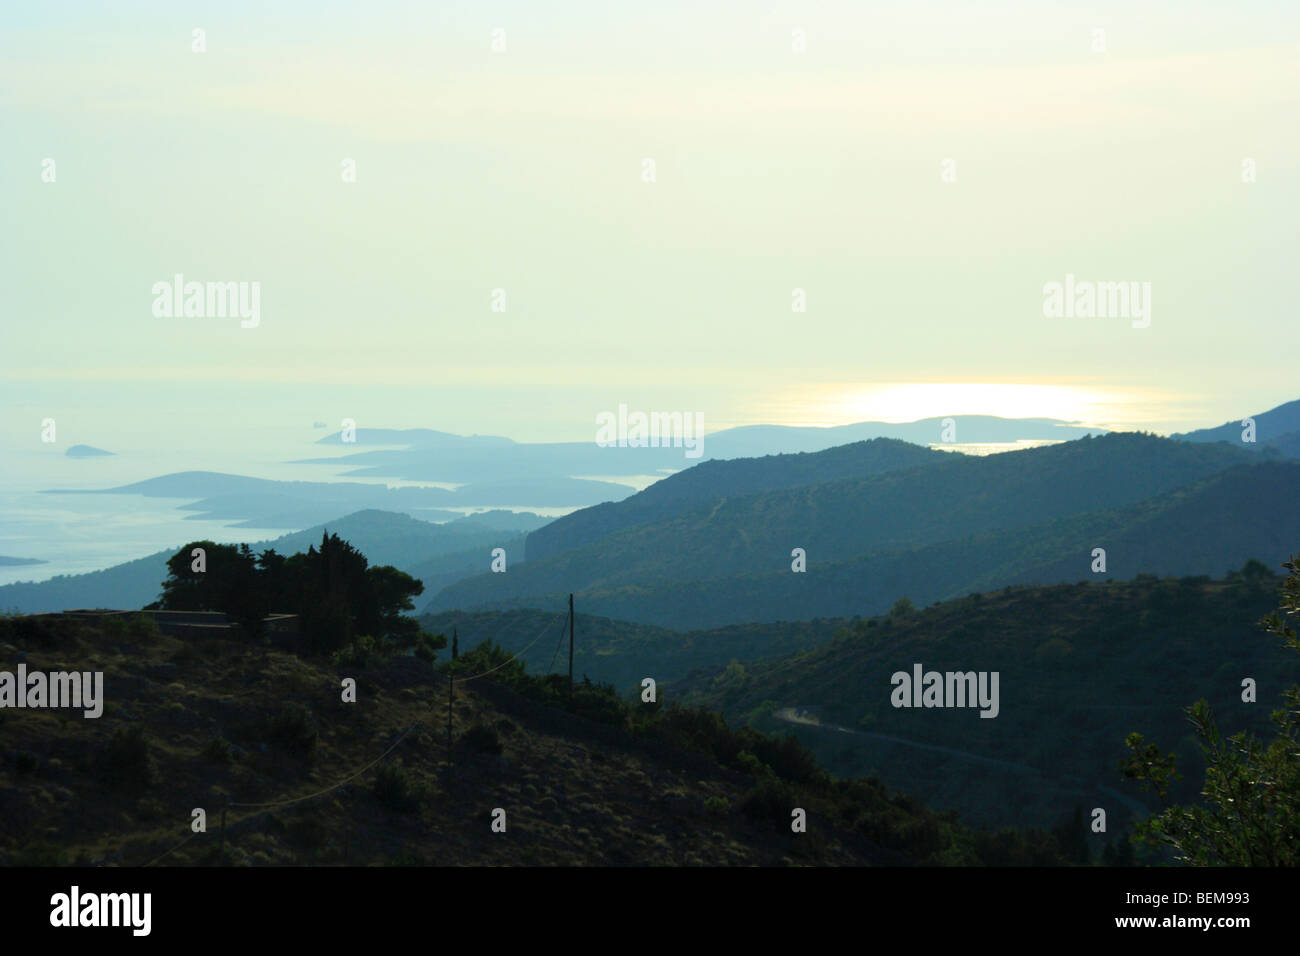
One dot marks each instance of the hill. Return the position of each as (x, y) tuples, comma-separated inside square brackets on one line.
[(872, 539), (710, 480), (1080, 665), (622, 653), (1278, 428), (317, 781)]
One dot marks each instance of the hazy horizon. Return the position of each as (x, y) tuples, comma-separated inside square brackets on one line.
[(912, 179)]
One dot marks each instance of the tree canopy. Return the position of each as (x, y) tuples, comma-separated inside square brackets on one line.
[(335, 592)]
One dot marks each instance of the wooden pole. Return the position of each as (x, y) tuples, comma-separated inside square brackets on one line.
[(451, 693), (570, 645)]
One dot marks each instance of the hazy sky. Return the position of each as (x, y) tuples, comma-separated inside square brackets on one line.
[(523, 170)]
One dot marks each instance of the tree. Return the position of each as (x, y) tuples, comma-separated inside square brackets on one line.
[(903, 607), (333, 590), (226, 580), (1251, 816)]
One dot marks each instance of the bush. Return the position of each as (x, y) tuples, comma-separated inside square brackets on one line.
[(769, 802), (126, 761), (394, 789), (363, 653), (717, 806), (218, 750), (143, 627), (26, 631), (748, 763), (293, 730), (25, 762), (40, 854), (482, 738), (148, 808), (903, 607)]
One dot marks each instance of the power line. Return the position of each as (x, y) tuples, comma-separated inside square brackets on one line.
[(512, 657), (267, 807)]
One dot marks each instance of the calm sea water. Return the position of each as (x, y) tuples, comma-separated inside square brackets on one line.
[(77, 533)]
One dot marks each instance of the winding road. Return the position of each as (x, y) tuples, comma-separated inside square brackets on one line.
[(794, 715)]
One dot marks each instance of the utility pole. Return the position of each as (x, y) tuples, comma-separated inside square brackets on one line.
[(570, 646)]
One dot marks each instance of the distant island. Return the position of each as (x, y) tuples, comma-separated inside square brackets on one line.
[(8, 562), (86, 451)]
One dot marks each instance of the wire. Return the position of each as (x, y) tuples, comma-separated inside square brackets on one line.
[(349, 779), (547, 627), (558, 645)]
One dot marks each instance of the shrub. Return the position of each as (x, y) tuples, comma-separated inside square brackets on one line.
[(903, 607), (363, 653), (41, 854), (769, 802), (218, 750), (482, 738), (748, 763), (143, 627), (25, 762), (126, 761), (293, 730), (1053, 650), (394, 789), (717, 806)]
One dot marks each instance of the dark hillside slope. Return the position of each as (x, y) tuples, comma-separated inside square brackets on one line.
[(1080, 665)]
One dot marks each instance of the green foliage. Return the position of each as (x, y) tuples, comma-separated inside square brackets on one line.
[(1074, 654), (1053, 651), (362, 653), (41, 854), (143, 628), (395, 789), (336, 593), (1251, 812), (218, 751), (750, 764), (29, 631), (770, 802), (126, 762), (25, 762), (482, 738), (717, 806), (903, 607), (427, 646), (293, 730)]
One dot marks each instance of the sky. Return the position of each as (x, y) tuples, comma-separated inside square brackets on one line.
[(795, 146)]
